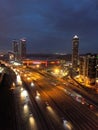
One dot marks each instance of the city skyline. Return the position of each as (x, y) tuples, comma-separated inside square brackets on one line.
[(49, 26)]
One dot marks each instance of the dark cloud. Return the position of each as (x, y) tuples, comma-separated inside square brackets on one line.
[(49, 25)]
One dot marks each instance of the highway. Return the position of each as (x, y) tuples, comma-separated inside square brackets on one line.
[(78, 115), (72, 110), (42, 102), (30, 115)]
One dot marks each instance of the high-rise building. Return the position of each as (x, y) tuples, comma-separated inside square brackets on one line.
[(97, 67), (82, 66), (22, 48), (15, 48), (88, 68), (75, 55)]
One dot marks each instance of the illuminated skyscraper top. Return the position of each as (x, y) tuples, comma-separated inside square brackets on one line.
[(75, 37)]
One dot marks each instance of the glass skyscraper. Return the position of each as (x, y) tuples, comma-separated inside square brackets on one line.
[(75, 55)]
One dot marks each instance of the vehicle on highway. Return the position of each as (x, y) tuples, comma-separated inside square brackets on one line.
[(46, 103), (67, 124), (32, 84), (37, 93), (30, 114)]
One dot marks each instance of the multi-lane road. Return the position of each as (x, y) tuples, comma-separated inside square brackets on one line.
[(65, 109), (42, 102)]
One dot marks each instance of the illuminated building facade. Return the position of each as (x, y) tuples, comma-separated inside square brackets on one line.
[(41, 63), (97, 67), (75, 55), (82, 65), (88, 68)]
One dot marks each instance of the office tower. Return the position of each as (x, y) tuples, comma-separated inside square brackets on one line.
[(22, 48), (91, 68), (97, 67), (88, 68), (15, 48), (75, 46), (81, 66)]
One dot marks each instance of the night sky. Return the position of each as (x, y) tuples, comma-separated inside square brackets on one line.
[(49, 25)]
